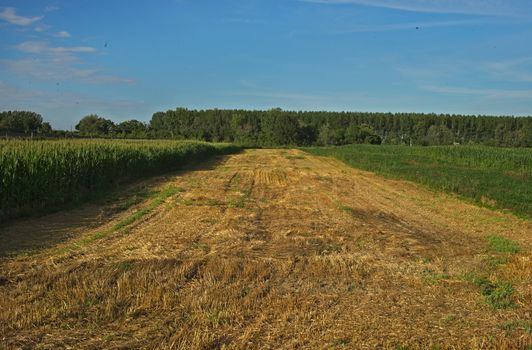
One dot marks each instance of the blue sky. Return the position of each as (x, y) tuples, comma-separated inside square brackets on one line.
[(127, 59)]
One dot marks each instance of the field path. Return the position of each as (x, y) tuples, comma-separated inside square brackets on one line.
[(270, 249)]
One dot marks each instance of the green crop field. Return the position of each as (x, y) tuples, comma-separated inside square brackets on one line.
[(35, 175), (496, 177)]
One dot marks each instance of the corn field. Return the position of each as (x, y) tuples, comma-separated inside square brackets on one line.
[(35, 175)]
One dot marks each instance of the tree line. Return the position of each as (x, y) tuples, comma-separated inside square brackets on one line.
[(277, 127), (23, 122)]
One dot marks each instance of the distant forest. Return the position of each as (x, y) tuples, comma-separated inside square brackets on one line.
[(277, 127)]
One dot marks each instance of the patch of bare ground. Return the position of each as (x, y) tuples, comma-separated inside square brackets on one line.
[(274, 249)]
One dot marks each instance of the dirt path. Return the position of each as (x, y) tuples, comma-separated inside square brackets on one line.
[(272, 249)]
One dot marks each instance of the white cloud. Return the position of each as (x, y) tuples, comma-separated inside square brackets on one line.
[(9, 15), (43, 47), (63, 34), (32, 46), (77, 49), (58, 64), (480, 7)]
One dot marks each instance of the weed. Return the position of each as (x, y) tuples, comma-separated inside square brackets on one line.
[(214, 202), (134, 200), (238, 202), (498, 295), (202, 246), (159, 198), (348, 210), (210, 202), (494, 261), (450, 318), (210, 221), (130, 219), (503, 245), (235, 181), (523, 325), (401, 347), (294, 157), (501, 296), (432, 277), (125, 266), (426, 260), (217, 317)]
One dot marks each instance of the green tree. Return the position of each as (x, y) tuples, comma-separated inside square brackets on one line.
[(131, 128), (20, 121), (45, 128), (93, 125), (439, 135)]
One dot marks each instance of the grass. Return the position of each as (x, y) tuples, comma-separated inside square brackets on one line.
[(237, 202), (348, 210), (494, 261), (291, 157), (157, 201), (503, 245), (498, 295), (523, 325), (158, 198), (201, 246), (433, 277), (493, 177)]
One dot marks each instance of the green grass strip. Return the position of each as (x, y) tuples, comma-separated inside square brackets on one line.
[(158, 199)]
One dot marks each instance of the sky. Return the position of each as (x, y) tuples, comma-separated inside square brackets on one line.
[(128, 59)]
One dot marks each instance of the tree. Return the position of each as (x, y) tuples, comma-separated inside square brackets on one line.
[(20, 121), (45, 128), (439, 135), (131, 128), (279, 128), (308, 135), (93, 125)]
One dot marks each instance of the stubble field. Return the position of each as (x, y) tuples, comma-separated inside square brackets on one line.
[(269, 249)]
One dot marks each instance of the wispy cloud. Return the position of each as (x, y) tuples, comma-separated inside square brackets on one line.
[(58, 64), (489, 93), (41, 27), (43, 47), (63, 34), (67, 69), (245, 20), (283, 95), (409, 26), (517, 70), (9, 15), (53, 104), (51, 8), (480, 7)]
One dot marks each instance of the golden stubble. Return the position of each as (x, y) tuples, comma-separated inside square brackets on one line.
[(273, 249)]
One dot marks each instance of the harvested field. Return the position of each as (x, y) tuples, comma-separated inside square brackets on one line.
[(270, 249)]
